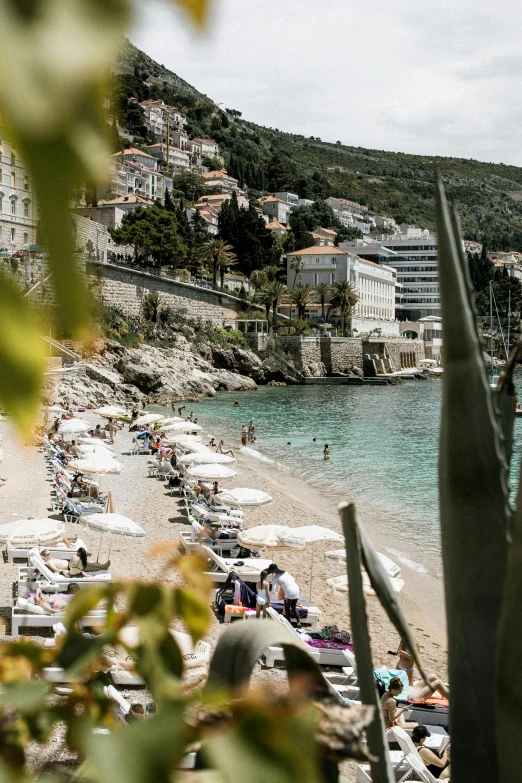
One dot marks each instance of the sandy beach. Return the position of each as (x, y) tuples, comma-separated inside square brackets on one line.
[(148, 501)]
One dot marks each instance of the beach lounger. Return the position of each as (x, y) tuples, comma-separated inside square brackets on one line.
[(26, 614), (22, 553), (324, 653), (220, 546), (311, 619), (204, 511), (38, 574), (220, 567), (409, 763)]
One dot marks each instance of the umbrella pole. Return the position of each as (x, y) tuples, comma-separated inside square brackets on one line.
[(99, 548), (311, 570), (110, 546)]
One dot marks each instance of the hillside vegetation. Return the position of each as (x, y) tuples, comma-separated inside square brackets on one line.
[(488, 195)]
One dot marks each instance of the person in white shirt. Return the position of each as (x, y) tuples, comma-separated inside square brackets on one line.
[(290, 589)]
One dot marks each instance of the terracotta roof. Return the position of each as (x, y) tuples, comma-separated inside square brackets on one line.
[(217, 175), (131, 151), (318, 250), (275, 225), (326, 230), (264, 199), (129, 198)]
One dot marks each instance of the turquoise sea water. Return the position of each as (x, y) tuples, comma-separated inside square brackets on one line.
[(383, 448)]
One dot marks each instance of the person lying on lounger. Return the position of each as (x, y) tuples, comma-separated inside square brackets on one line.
[(55, 603), (212, 533)]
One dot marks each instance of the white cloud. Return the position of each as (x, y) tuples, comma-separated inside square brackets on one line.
[(438, 77)]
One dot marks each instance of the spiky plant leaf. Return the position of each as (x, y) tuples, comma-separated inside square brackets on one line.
[(475, 514), (380, 768)]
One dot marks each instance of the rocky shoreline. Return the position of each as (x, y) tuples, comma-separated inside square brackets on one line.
[(183, 371)]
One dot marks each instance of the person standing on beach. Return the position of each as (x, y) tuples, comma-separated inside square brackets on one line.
[(112, 429), (244, 435), (251, 430), (289, 589), (405, 662), (262, 594), (326, 452)]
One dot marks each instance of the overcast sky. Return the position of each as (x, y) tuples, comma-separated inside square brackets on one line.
[(440, 77)]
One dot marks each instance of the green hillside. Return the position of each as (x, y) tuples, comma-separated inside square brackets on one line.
[(488, 195)]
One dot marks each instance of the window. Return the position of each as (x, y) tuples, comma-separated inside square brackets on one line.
[(13, 236), (332, 278), (26, 181), (13, 159), (26, 237), (1, 203), (13, 178), (316, 278), (26, 209), (13, 206)]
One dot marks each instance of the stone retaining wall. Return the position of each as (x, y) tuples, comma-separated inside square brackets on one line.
[(95, 240), (126, 288)]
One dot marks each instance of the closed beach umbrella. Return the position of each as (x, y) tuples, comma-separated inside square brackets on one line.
[(148, 418), (212, 472), (110, 505), (201, 458), (108, 411), (243, 496), (74, 425), (114, 523), (96, 463), (31, 532), (268, 537)]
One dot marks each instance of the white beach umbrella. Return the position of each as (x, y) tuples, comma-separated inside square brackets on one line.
[(243, 496), (212, 472), (96, 463), (185, 426), (310, 534), (171, 420), (340, 584), (114, 523), (202, 458), (108, 411), (267, 537), (148, 418), (391, 568), (31, 532), (56, 409), (74, 425), (185, 440), (96, 448)]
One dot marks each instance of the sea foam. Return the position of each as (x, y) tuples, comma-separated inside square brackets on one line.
[(421, 569)]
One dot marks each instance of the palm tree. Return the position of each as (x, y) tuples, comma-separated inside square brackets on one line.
[(275, 291), (297, 264), (216, 254), (302, 295), (322, 289), (225, 261), (264, 298), (344, 298)]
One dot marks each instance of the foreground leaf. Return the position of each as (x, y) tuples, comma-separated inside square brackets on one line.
[(475, 515), (196, 9), (53, 61), (380, 767), (21, 356)]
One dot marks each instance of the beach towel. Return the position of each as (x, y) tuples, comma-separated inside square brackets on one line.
[(384, 675)]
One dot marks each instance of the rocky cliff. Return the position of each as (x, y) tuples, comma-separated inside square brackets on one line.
[(183, 371)]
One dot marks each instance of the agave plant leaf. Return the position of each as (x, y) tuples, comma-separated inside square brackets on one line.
[(475, 515), (240, 647), (21, 356), (381, 771), (506, 400), (509, 655)]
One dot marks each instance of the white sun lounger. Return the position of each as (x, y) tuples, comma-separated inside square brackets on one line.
[(25, 614), (220, 567), (407, 761), (38, 574), (325, 657), (312, 618), (219, 546), (22, 553)]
